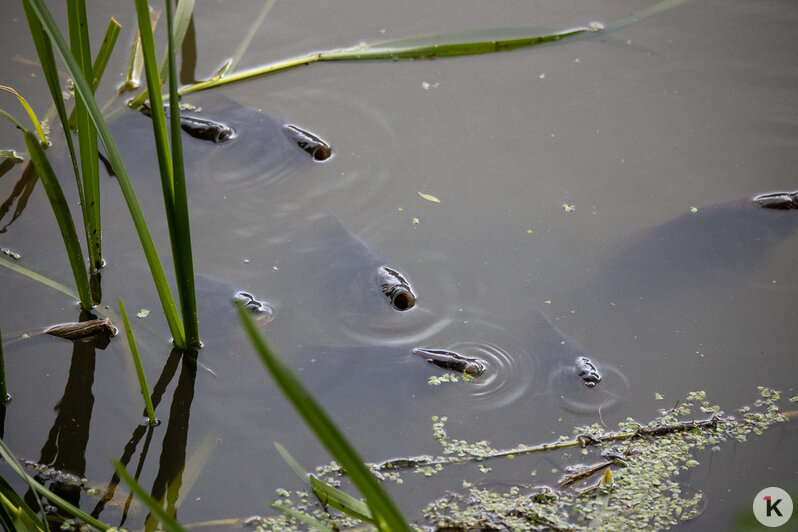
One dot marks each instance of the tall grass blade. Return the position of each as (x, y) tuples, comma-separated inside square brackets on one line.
[(181, 237), (101, 61), (397, 49), (328, 494), (33, 118), (44, 20), (16, 515), (383, 508), (11, 460), (145, 389), (169, 522), (133, 79), (44, 50), (182, 18), (87, 140), (62, 216)]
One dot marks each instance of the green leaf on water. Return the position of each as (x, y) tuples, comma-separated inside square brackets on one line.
[(429, 197)]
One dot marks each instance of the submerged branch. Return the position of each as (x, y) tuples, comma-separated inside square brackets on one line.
[(582, 440)]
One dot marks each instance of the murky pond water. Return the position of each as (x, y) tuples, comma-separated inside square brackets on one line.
[(549, 165)]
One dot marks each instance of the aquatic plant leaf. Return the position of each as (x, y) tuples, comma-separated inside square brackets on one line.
[(398, 49), (87, 140), (11, 155), (101, 60), (169, 523), (134, 352), (429, 197), (179, 226), (341, 500), (42, 21), (63, 217), (381, 505), (33, 118), (182, 18)]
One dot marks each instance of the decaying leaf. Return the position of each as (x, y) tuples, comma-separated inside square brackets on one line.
[(83, 329)]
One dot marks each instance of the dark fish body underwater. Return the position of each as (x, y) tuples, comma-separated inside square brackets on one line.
[(225, 142), (699, 247)]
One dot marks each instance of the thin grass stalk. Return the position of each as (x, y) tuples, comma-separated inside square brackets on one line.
[(44, 20), (392, 50), (101, 61), (181, 239), (182, 18), (15, 514), (145, 389), (44, 50), (4, 397), (156, 107), (33, 118), (169, 522), (327, 494), (63, 217), (87, 140), (382, 506)]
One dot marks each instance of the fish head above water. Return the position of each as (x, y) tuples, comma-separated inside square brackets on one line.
[(224, 143), (396, 288)]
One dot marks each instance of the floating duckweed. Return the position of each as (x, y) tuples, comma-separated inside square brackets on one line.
[(643, 462)]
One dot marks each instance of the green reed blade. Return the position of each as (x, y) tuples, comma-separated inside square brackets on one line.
[(145, 390), (62, 215), (33, 118), (382, 507), (183, 14), (10, 118), (44, 19), (398, 49), (11, 460), (420, 47), (181, 238), (87, 139), (341, 501), (156, 106), (101, 61), (44, 50), (169, 522), (328, 494), (15, 514)]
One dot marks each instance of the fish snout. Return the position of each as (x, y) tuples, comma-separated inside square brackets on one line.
[(396, 288)]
